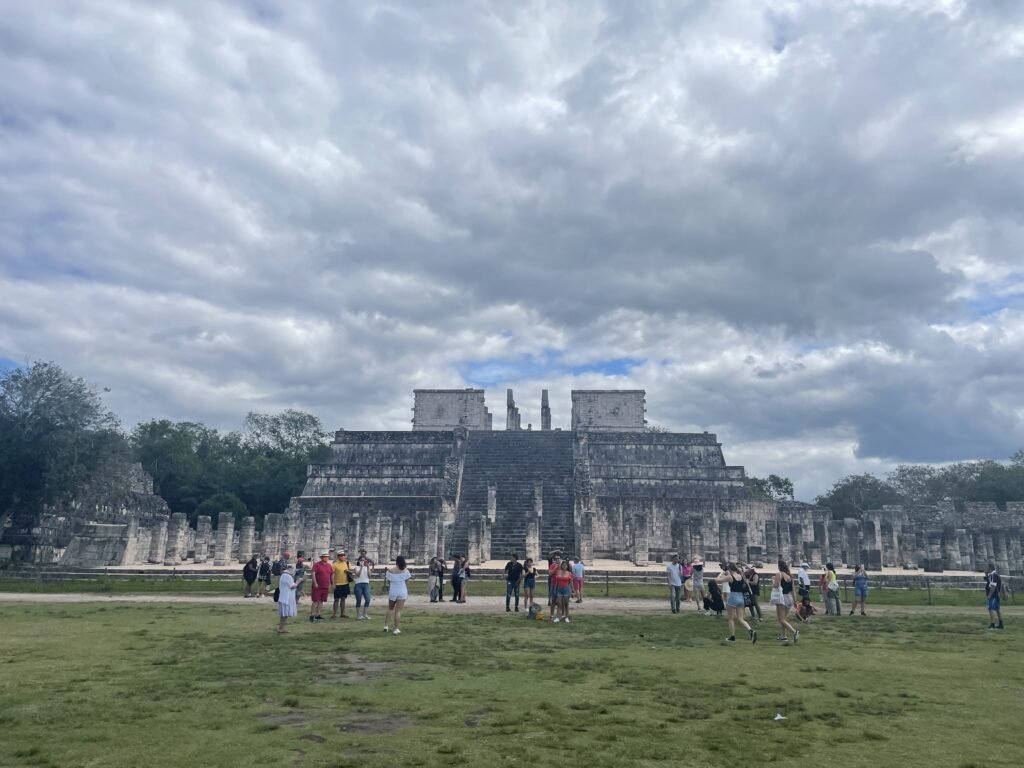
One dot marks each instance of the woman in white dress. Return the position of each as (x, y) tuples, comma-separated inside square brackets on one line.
[(396, 578), (286, 605)]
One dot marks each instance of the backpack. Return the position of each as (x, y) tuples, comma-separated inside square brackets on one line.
[(275, 569), (277, 593)]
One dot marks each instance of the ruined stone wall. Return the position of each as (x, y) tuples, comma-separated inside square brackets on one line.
[(613, 410), (445, 409)]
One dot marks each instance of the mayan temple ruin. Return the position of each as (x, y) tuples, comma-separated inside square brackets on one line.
[(605, 488)]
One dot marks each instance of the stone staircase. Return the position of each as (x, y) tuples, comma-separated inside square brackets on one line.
[(514, 461)]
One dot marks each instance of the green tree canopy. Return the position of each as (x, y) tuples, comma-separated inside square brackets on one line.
[(771, 488)]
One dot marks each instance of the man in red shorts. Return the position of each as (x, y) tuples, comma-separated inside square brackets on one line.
[(323, 572)]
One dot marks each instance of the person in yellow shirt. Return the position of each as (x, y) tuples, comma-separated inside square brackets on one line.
[(341, 578)]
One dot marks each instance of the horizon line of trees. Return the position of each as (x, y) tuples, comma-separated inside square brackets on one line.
[(58, 443)]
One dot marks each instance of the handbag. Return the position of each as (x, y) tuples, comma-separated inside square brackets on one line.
[(277, 594), (777, 598)]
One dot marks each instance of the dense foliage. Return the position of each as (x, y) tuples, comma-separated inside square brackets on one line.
[(57, 439)]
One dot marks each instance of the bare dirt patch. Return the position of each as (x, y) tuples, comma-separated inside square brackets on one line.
[(474, 718), (355, 670), (372, 722), (288, 718)]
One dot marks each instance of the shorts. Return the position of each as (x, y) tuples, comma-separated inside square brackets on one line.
[(993, 603), (563, 592), (698, 584), (577, 584), (319, 595), (341, 592), (860, 594), (529, 583), (735, 600)]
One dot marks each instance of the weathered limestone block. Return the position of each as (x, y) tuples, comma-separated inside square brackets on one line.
[(131, 544), (224, 539)]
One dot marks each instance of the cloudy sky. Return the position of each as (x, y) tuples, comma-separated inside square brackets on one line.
[(796, 224)]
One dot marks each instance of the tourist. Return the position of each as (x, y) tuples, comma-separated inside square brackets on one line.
[(323, 572), (687, 572), (782, 599), (396, 577), (364, 568), (754, 581), (513, 577), (249, 574), (804, 582), (341, 578), (263, 577), (562, 581), (554, 564), (732, 577), (529, 582), (699, 596), (823, 590), (860, 588), (994, 591), (578, 571), (300, 577), (714, 603), (441, 568), (832, 590), (433, 580), (675, 583), (466, 573), (287, 587), (456, 578)]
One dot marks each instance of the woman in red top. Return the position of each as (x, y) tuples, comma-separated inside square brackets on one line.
[(562, 579)]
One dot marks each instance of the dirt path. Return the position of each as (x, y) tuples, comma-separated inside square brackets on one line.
[(475, 605)]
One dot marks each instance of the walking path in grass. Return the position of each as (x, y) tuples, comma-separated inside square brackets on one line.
[(476, 605)]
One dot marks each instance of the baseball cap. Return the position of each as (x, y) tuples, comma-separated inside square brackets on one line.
[(805, 565)]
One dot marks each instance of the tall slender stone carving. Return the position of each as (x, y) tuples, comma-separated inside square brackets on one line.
[(224, 538), (512, 422), (545, 411)]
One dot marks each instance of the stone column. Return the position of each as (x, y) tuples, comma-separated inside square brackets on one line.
[(785, 541), (246, 538), (273, 534), (175, 537), (640, 546), (204, 532), (372, 536), (131, 544), (158, 541), (293, 530), (1000, 551), (224, 539), (384, 541), (492, 502), (533, 522)]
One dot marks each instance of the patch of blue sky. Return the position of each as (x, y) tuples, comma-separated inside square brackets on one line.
[(990, 303), (6, 364), (549, 364)]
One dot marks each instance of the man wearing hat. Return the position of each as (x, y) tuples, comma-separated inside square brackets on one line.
[(322, 574), (342, 577)]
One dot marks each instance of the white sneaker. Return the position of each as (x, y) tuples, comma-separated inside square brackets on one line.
[(566, 619), (385, 627), (555, 621), (397, 631)]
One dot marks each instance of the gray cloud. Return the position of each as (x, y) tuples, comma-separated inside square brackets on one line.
[(803, 217)]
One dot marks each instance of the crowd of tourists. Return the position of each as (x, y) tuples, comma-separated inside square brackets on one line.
[(735, 591)]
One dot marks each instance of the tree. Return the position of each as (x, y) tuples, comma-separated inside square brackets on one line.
[(291, 432), (54, 434), (854, 494), (223, 502), (771, 488)]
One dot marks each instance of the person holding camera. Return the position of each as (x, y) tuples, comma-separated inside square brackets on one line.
[(396, 577), (363, 569)]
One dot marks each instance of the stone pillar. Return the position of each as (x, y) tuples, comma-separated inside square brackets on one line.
[(1002, 559), (130, 553), (158, 541), (834, 553), (933, 555), (639, 544), (204, 532), (785, 541), (175, 538), (384, 541), (273, 534), (492, 502), (533, 522), (371, 537), (224, 539), (246, 538), (545, 411), (293, 530)]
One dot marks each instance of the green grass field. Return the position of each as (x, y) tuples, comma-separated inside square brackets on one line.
[(187, 685)]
